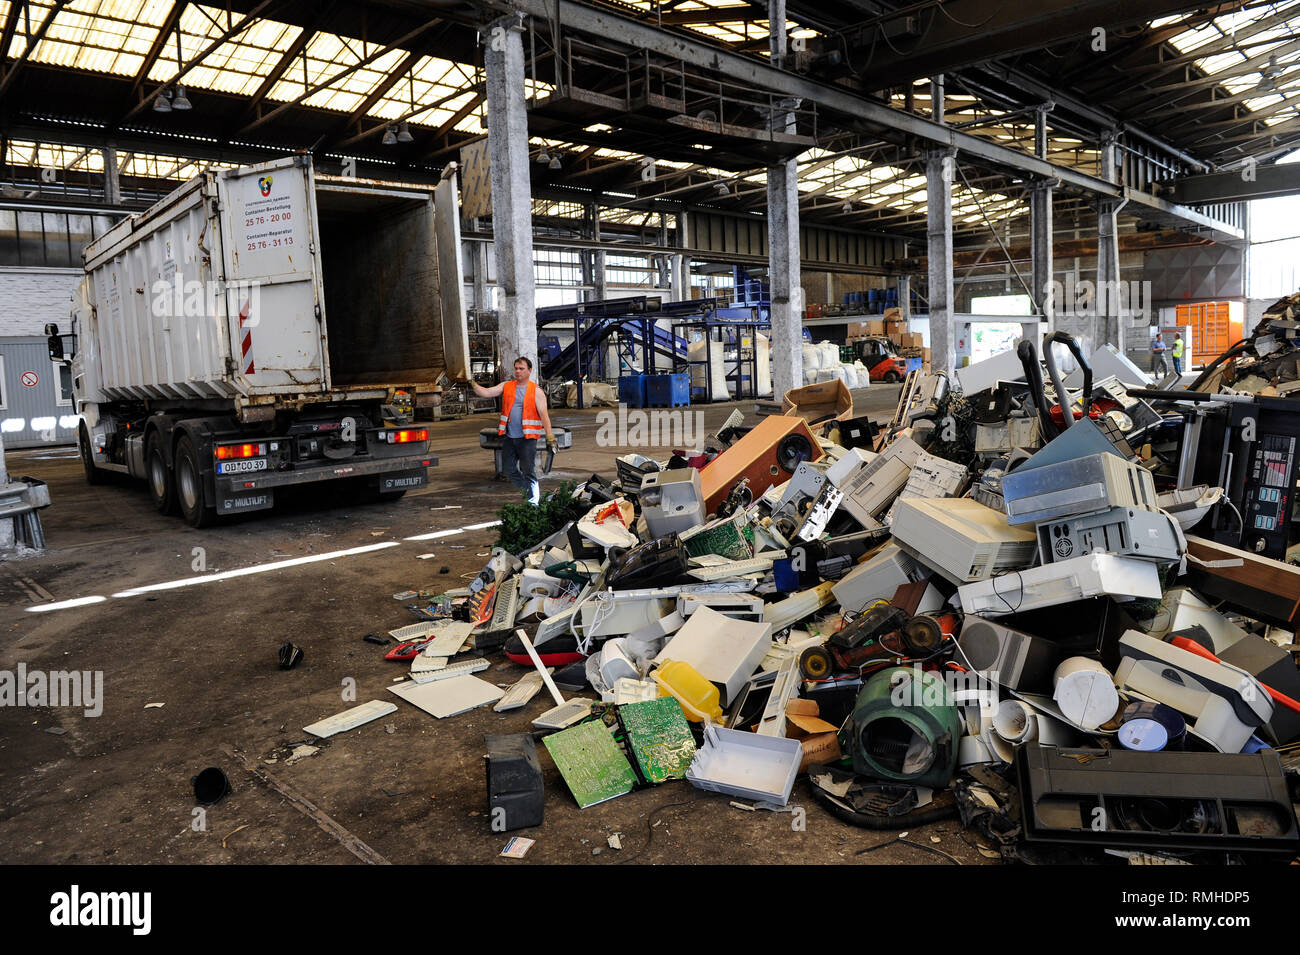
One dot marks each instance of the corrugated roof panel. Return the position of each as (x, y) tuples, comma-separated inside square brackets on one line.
[(102, 36), (237, 65)]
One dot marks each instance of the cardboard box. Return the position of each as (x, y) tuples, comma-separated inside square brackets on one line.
[(857, 330), (875, 328), (893, 314), (818, 739), (816, 402), (803, 707), (895, 327), (914, 340), (819, 749)]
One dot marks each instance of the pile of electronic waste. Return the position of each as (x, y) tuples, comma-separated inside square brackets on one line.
[(995, 606), (1265, 364)]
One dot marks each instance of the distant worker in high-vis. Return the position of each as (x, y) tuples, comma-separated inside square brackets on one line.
[(524, 419), (1176, 352)]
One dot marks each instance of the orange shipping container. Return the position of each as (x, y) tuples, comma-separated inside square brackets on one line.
[(1216, 326)]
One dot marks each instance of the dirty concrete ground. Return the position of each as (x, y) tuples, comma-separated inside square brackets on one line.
[(116, 787)]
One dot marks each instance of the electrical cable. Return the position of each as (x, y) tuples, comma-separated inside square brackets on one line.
[(909, 842), (971, 26), (993, 582), (650, 825)]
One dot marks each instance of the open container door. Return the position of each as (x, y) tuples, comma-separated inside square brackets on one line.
[(272, 272), (455, 329)]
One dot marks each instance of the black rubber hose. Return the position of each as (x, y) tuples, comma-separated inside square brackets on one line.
[(1028, 356), (1235, 349), (907, 820), (1063, 396)]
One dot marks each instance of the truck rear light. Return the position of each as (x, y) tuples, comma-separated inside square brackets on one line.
[(404, 437), (226, 452)]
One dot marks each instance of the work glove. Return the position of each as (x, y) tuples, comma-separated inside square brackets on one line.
[(551, 443)]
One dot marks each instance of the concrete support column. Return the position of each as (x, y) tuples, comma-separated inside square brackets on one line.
[(482, 296), (682, 262), (1106, 325), (512, 203), (905, 296), (112, 182), (6, 524), (783, 277), (597, 261), (1108, 321), (1040, 223), (938, 192), (1040, 226), (783, 241)]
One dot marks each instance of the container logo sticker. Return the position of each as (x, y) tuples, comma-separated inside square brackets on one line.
[(264, 184)]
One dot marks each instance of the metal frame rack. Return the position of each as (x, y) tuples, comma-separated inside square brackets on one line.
[(630, 322), (724, 320)]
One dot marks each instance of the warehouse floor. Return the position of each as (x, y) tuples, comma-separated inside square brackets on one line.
[(117, 788)]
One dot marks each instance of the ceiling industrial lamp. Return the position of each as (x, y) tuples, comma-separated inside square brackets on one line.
[(390, 136), (847, 207), (180, 100), (554, 163), (543, 157), (404, 133), (161, 104), (1268, 76)]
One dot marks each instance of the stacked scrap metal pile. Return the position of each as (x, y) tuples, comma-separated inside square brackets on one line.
[(983, 608)]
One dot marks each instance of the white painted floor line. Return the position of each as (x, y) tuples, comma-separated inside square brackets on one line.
[(65, 604), (255, 569), (434, 536)]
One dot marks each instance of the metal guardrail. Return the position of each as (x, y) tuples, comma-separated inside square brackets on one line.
[(21, 502)]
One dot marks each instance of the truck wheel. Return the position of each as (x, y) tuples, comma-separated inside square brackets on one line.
[(162, 483), (93, 474), (892, 378), (189, 486)]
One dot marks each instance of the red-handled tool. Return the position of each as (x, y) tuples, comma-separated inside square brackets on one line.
[(1191, 646)]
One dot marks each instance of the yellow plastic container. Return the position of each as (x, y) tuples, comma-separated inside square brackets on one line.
[(697, 696)]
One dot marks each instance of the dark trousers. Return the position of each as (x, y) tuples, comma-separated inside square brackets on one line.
[(519, 462)]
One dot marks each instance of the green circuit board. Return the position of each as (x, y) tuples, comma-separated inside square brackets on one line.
[(659, 737), (592, 764)]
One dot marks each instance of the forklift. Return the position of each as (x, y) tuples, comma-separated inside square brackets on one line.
[(880, 356)]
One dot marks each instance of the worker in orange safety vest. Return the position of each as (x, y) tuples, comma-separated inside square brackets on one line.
[(524, 419)]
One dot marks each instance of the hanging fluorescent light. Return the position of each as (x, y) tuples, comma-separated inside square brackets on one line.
[(180, 100), (404, 133), (390, 136), (161, 104)]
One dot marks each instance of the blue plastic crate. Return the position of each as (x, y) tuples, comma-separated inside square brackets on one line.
[(632, 390), (668, 391)]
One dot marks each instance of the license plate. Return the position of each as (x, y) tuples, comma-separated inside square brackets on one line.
[(241, 467)]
